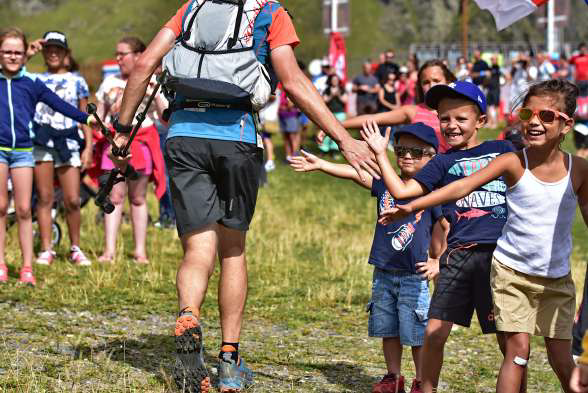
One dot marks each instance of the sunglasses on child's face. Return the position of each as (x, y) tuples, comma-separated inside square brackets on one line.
[(416, 153), (545, 115)]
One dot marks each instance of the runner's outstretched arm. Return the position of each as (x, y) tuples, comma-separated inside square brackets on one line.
[(141, 75), (306, 97)]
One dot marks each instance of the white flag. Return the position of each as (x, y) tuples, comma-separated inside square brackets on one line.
[(507, 12)]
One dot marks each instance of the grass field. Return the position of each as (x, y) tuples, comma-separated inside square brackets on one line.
[(108, 328)]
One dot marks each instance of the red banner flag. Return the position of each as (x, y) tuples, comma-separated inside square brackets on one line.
[(337, 54)]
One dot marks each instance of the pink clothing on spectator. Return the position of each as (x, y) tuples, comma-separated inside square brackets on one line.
[(426, 115)]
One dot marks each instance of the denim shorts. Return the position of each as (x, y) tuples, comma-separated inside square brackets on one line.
[(48, 154), (399, 306), (17, 158)]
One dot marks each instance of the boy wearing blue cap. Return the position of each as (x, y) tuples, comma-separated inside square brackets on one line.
[(476, 220), (403, 254)]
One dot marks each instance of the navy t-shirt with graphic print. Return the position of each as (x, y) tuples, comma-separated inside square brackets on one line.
[(480, 216), (403, 243)]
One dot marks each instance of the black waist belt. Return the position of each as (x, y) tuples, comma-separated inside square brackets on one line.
[(203, 104)]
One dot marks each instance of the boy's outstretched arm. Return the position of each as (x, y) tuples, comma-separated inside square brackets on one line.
[(378, 143), (309, 162), (503, 165)]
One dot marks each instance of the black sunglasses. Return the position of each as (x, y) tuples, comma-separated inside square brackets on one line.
[(416, 153)]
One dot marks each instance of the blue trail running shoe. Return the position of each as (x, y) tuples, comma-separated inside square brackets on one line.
[(190, 372), (233, 377)]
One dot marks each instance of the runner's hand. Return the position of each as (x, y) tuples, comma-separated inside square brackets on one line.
[(121, 141), (579, 380), (359, 156), (429, 269), (306, 162), (371, 134), (394, 214)]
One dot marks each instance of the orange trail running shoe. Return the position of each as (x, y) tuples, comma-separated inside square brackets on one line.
[(190, 371)]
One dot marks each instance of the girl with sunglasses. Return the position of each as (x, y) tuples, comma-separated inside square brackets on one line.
[(531, 282)]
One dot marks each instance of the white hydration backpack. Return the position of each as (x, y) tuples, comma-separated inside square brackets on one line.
[(213, 63)]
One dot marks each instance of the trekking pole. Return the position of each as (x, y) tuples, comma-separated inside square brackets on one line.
[(115, 176), (161, 79)]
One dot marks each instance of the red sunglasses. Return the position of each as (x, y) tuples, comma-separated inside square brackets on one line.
[(545, 115)]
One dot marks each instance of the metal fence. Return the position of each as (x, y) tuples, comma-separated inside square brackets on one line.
[(507, 51)]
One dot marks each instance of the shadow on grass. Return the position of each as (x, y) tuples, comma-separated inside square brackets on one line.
[(349, 376), (152, 353)]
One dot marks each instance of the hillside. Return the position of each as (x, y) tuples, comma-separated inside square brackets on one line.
[(94, 26)]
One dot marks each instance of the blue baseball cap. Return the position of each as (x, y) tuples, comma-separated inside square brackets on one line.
[(420, 131), (458, 89)]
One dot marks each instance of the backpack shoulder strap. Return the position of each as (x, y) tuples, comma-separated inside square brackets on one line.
[(186, 34), (186, 13), (233, 41)]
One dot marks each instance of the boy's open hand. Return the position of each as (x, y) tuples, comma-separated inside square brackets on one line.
[(429, 269), (306, 162), (394, 214), (371, 134)]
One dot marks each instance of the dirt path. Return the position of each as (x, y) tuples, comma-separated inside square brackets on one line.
[(59, 351), (84, 351)]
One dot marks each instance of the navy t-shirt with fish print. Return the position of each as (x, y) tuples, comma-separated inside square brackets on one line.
[(403, 243), (480, 216)]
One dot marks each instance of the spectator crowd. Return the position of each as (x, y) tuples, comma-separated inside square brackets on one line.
[(429, 114)]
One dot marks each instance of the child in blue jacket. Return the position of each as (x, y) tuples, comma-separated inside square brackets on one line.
[(19, 94)]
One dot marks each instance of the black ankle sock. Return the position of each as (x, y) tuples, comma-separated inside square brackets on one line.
[(227, 353), (185, 311)]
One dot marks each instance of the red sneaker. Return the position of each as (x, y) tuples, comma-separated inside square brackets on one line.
[(390, 384), (27, 277), (416, 386), (3, 273)]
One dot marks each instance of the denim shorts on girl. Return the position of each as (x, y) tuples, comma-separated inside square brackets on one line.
[(48, 154), (399, 306), (17, 158)]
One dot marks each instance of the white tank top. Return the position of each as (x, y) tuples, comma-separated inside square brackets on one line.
[(537, 237)]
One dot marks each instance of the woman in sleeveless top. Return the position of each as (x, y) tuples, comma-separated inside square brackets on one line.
[(147, 157), (531, 282), (431, 73), (388, 96)]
